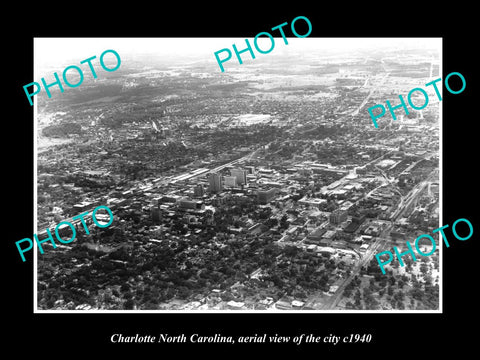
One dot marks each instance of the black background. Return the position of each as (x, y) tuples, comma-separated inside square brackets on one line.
[(60, 335)]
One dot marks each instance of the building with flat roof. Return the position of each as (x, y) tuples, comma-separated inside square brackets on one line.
[(316, 235), (240, 175), (186, 203), (265, 196), (230, 181), (316, 202)]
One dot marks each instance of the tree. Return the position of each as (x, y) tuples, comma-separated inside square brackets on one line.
[(399, 296), (269, 249), (129, 304), (272, 222), (424, 268), (349, 305), (283, 222), (358, 298), (290, 251), (277, 281)]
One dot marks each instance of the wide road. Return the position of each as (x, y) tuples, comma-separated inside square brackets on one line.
[(382, 80), (372, 250)]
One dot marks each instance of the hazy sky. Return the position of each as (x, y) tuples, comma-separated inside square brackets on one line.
[(53, 52)]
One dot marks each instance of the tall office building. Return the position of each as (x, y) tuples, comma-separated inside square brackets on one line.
[(214, 182), (338, 216), (241, 176), (250, 169), (156, 214), (186, 203), (198, 191)]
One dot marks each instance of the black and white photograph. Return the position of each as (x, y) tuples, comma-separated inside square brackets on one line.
[(267, 186)]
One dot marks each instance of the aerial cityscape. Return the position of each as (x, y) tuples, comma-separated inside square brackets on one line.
[(265, 187)]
